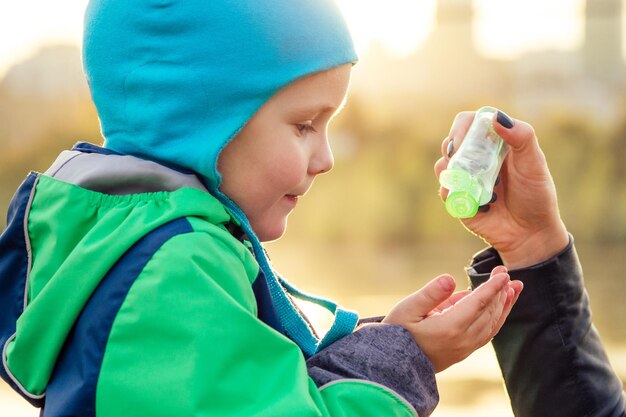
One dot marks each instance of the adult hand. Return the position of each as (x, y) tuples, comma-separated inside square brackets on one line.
[(449, 326), (523, 224)]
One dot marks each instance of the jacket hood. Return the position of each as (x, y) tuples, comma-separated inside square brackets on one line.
[(174, 81), (66, 229)]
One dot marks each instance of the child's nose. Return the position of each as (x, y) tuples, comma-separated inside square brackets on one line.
[(322, 160)]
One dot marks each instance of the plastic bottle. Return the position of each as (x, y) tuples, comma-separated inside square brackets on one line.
[(473, 169)]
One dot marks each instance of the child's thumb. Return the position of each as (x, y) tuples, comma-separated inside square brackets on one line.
[(419, 304), (432, 294)]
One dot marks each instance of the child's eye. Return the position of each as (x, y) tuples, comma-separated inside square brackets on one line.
[(304, 128)]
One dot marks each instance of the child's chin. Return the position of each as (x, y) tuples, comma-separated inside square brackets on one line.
[(268, 234)]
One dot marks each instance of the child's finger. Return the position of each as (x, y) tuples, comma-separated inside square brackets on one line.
[(418, 305), (510, 298), (452, 300), (486, 324), (518, 286), (513, 292), (498, 269), (485, 297), (430, 296)]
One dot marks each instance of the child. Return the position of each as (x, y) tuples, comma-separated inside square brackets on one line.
[(134, 280)]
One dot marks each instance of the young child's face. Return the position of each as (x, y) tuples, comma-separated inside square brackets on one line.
[(283, 147)]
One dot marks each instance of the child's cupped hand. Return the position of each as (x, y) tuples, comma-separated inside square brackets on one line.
[(449, 326)]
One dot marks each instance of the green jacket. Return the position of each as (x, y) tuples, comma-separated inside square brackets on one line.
[(125, 293)]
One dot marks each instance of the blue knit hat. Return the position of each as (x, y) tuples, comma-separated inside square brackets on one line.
[(175, 80)]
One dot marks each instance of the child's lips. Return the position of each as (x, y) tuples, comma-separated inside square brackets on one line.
[(292, 198)]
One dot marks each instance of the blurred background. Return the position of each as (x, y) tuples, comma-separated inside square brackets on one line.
[(375, 229)]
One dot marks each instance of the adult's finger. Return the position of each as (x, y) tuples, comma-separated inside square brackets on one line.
[(526, 161), (519, 136), (459, 128), (440, 165), (447, 147)]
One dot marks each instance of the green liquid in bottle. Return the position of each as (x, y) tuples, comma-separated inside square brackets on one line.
[(473, 169)]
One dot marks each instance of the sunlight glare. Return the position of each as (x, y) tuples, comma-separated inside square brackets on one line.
[(509, 28), (27, 25), (399, 25)]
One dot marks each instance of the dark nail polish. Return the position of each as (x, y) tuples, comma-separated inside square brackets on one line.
[(484, 209), (494, 197), (504, 120), (497, 181), (450, 149)]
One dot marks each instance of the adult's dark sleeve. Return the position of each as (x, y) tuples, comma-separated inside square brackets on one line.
[(550, 353)]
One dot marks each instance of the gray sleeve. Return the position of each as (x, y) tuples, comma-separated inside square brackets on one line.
[(385, 354)]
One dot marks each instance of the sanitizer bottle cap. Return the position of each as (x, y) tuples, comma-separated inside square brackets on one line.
[(464, 195)]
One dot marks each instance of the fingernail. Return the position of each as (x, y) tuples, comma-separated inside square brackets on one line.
[(494, 197), (505, 283), (484, 209), (505, 120), (447, 283), (498, 269), (450, 149), (503, 278)]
